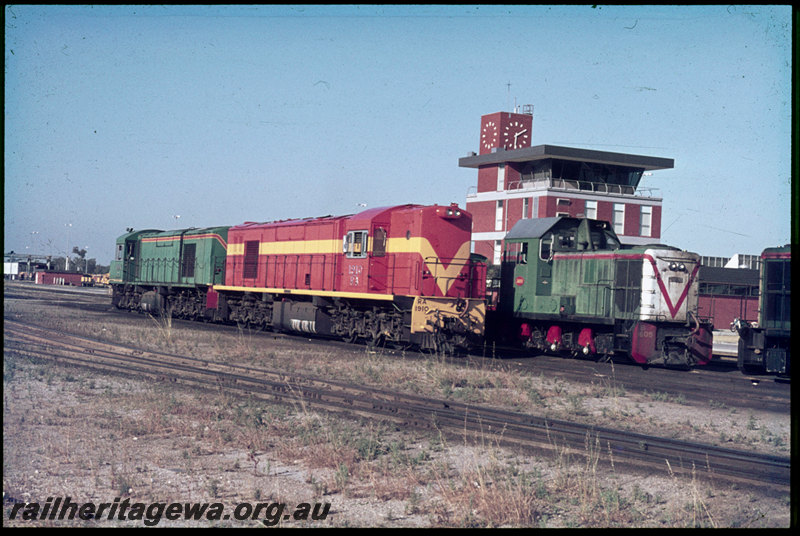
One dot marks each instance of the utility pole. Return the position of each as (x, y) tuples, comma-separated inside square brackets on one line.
[(66, 259)]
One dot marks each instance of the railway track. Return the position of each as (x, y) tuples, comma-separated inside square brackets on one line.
[(602, 445)]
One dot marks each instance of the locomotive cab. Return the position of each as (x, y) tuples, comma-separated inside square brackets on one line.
[(124, 268), (529, 257)]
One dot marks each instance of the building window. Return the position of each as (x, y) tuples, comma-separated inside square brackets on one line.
[(498, 246), (714, 262), (535, 208), (645, 221), (526, 203), (498, 218), (501, 177), (591, 210), (619, 218)]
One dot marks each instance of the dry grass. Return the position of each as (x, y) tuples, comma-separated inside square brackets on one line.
[(150, 441)]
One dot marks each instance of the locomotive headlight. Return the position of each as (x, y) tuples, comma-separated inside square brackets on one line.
[(682, 267), (673, 265), (452, 212)]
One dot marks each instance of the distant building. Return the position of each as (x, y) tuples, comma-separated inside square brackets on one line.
[(750, 262), (518, 181)]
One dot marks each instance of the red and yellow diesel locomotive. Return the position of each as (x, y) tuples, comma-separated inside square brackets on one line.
[(401, 275)]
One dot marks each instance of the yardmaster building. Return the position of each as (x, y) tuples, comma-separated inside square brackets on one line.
[(518, 181)]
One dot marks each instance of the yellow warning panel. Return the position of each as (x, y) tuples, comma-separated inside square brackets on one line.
[(456, 314)]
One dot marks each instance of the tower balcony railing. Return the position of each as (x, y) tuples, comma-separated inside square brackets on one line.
[(528, 184)]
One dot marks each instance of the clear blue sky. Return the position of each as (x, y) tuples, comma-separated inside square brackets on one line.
[(128, 116)]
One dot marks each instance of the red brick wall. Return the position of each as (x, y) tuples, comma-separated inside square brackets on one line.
[(723, 309), (487, 179), (513, 213), (485, 248), (632, 214), (483, 214), (656, 226), (605, 211)]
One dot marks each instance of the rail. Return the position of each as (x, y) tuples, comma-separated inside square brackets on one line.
[(512, 428)]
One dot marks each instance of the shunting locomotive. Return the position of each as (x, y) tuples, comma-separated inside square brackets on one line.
[(568, 286)]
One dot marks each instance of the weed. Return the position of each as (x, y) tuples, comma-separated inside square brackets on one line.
[(341, 476)]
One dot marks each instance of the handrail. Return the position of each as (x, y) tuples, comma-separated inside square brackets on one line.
[(528, 184)]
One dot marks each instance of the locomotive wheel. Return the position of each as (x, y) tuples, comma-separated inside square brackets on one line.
[(351, 338), (376, 341)]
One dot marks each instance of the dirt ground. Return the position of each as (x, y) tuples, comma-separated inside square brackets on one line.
[(69, 433)]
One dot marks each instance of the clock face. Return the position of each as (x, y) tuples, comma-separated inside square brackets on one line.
[(516, 136), (489, 135)]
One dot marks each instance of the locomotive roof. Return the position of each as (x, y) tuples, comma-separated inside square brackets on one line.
[(188, 231), (778, 252), (364, 215), (534, 227)]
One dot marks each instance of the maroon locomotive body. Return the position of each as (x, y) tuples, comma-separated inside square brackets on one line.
[(399, 274)]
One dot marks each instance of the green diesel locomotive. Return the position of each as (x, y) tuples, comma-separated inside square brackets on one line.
[(169, 271), (568, 286), (764, 347)]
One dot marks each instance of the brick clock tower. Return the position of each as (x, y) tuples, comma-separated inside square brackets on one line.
[(517, 180), (505, 131)]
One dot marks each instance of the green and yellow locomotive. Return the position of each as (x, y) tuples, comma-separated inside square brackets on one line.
[(169, 271), (570, 287)]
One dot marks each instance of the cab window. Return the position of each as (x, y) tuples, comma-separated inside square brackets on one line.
[(355, 244), (516, 252), (545, 247), (379, 242)]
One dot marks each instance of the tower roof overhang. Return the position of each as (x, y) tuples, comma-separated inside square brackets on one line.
[(542, 152)]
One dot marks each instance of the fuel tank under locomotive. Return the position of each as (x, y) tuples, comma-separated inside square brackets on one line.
[(303, 317)]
